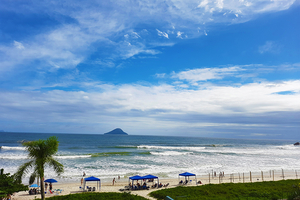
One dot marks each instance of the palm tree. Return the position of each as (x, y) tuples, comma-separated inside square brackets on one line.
[(40, 153)]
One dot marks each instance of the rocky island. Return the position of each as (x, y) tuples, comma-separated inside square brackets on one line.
[(116, 131)]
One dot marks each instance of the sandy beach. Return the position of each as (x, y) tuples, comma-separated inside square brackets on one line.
[(71, 188)]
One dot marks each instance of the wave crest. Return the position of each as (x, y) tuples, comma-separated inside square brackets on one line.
[(171, 148), (72, 156), (13, 148), (170, 153)]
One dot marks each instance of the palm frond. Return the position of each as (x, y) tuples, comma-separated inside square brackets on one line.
[(23, 170), (58, 167), (32, 178)]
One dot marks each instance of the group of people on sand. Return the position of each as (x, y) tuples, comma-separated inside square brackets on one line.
[(33, 191), (160, 185), (186, 182), (144, 186), (138, 186)]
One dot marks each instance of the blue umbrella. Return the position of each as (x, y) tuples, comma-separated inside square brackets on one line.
[(34, 185), (51, 180)]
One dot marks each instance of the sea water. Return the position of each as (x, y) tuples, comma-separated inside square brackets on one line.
[(111, 156)]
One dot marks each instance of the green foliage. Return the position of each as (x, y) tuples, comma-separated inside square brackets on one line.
[(295, 194), (96, 196), (8, 185), (234, 191), (40, 154)]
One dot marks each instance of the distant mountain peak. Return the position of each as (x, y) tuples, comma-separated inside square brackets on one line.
[(116, 131)]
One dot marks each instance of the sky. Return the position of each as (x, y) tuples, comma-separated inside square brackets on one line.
[(199, 68)]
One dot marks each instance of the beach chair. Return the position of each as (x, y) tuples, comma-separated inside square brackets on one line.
[(58, 190), (127, 187)]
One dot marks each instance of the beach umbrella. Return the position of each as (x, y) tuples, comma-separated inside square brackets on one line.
[(34, 185), (51, 180)]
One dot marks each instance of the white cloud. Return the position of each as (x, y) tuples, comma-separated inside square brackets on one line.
[(163, 44), (220, 4), (162, 75), (105, 63), (272, 5), (203, 4), (179, 34), (128, 51), (160, 33), (205, 74), (135, 35), (18, 45), (149, 103), (269, 47)]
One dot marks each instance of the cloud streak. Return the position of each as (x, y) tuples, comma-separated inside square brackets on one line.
[(205, 74), (269, 47)]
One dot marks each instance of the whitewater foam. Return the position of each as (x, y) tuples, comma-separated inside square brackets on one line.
[(13, 157), (12, 148), (170, 153), (171, 147), (73, 156)]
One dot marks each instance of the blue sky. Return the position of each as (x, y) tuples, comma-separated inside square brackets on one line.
[(222, 68)]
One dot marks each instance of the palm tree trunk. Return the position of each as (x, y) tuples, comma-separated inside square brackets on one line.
[(42, 188)]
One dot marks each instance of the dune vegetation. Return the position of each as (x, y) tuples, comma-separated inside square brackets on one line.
[(98, 195), (285, 189)]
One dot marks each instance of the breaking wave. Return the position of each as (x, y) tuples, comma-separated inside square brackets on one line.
[(73, 156), (171, 148), (13, 148), (170, 153)]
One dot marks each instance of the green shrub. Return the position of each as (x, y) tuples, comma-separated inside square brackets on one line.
[(98, 196), (255, 191)]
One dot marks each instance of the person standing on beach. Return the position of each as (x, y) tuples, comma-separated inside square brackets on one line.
[(83, 174), (114, 181), (81, 181), (50, 186)]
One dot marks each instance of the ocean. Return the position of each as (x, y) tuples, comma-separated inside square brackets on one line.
[(111, 156)]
